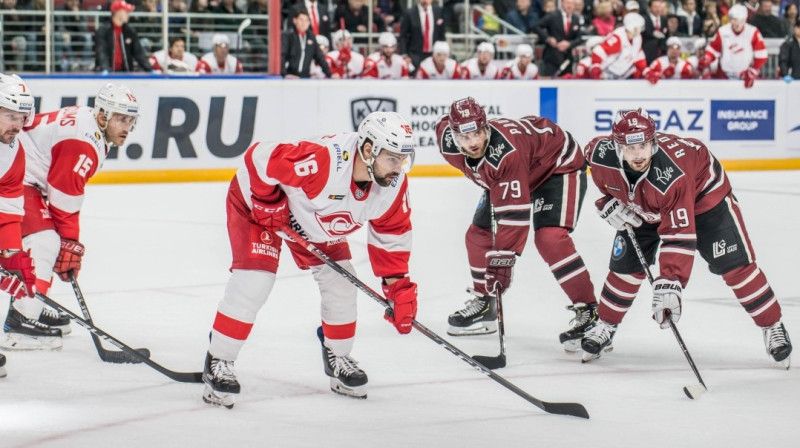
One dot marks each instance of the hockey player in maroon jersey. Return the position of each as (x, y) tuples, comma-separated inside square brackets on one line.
[(325, 189), (16, 107), (63, 150), (674, 192), (527, 167)]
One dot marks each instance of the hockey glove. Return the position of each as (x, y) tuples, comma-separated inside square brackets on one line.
[(669, 72), (22, 279), (271, 216), (652, 76), (344, 57), (750, 75), (666, 301), (69, 259), (617, 214), (402, 295), (499, 270), (703, 63), (595, 72)]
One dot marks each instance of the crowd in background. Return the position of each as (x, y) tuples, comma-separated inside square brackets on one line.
[(559, 28)]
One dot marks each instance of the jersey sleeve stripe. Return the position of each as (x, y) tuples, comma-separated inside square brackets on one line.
[(12, 206), (391, 243), (680, 236), (64, 201), (504, 208), (505, 222)]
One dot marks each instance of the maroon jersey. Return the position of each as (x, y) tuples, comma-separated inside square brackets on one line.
[(683, 180), (522, 154)]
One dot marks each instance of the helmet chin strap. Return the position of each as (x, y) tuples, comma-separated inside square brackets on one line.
[(369, 162)]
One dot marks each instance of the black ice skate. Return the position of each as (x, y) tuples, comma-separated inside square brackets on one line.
[(29, 334), (55, 319), (585, 318), (779, 347), (598, 340), (3, 366), (479, 316), (220, 379), (346, 377)]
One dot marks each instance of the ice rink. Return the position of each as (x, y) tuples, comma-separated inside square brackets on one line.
[(156, 266)]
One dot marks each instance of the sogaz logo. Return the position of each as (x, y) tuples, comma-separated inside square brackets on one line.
[(667, 120)]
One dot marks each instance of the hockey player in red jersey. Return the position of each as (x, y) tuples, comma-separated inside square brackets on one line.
[(16, 107), (325, 189), (674, 192), (738, 47), (63, 150), (527, 167)]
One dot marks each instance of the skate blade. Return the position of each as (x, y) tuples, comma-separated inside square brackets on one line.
[(19, 342), (3, 372), (572, 346), (587, 357), (786, 363), (474, 330), (215, 398), (340, 388)]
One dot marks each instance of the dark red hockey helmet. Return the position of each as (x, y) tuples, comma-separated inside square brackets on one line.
[(466, 115), (633, 126)]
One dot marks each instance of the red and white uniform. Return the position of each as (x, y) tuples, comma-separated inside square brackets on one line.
[(354, 67), (512, 71), (208, 64), (737, 52), (680, 70), (582, 68), (381, 68), (12, 171), (161, 60), (618, 57), (427, 69), (471, 70)]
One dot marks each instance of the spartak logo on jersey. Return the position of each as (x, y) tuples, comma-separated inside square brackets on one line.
[(337, 224), (361, 107)]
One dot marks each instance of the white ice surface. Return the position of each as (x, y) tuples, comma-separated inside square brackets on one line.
[(156, 265)]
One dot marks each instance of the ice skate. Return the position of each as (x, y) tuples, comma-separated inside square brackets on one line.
[(346, 378), (597, 341), (221, 385), (29, 334), (3, 372), (55, 319), (479, 316), (585, 318), (778, 344)]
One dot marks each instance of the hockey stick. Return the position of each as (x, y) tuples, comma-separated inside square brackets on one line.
[(181, 377), (574, 409), (499, 361), (112, 356), (693, 390)]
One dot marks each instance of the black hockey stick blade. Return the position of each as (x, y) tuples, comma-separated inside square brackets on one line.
[(491, 362), (117, 357)]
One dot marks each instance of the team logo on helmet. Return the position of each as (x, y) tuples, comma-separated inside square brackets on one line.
[(361, 107), (467, 127), (631, 139)]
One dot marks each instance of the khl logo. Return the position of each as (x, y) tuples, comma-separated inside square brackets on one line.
[(361, 107)]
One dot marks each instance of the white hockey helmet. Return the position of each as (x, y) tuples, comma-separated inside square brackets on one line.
[(116, 99), (339, 35), (675, 41), (737, 12), (486, 47), (387, 131), (593, 42), (633, 22), (387, 39), (441, 47), (323, 41), (15, 95), (524, 50)]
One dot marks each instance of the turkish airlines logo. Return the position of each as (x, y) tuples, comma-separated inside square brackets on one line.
[(338, 224)]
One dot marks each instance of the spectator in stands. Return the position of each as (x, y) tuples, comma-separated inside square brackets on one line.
[(752, 8), (654, 35), (723, 6), (420, 27), (605, 21), (117, 44), (390, 11), (386, 63), (227, 7), (521, 67), (789, 55), (487, 22), (560, 31), (670, 66), (218, 61), (769, 24), (175, 59), (481, 66), (674, 27), (355, 14), (691, 23), (321, 19), (15, 42), (789, 18), (148, 28), (712, 19), (345, 62), (439, 65), (739, 48), (299, 47), (548, 6), (583, 8), (72, 31), (523, 17)]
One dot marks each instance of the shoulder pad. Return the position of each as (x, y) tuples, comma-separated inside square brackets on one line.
[(664, 172)]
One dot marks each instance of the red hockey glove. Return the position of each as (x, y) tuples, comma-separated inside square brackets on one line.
[(271, 216), (595, 72), (750, 75), (499, 270), (652, 75), (703, 63), (402, 294), (69, 259), (669, 72), (344, 56), (20, 265)]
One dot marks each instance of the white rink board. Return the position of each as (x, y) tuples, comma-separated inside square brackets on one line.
[(209, 123)]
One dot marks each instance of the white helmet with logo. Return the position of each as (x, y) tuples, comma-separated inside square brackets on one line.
[(737, 12), (387, 39), (15, 95), (387, 131), (633, 22), (116, 99)]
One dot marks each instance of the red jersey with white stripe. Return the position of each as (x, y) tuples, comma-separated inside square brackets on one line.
[(208, 64), (161, 60), (684, 180), (512, 71), (354, 67), (12, 172), (324, 201), (680, 70), (521, 155), (379, 67), (428, 70), (619, 57), (63, 150), (737, 52), (470, 69)]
